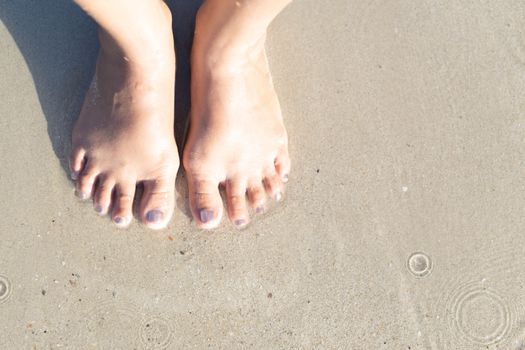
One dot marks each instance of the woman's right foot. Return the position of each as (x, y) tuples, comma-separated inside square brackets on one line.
[(124, 134)]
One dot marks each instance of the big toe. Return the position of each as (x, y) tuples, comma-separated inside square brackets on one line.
[(205, 202), (158, 202)]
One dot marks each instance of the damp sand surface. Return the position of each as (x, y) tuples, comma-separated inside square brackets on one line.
[(402, 226)]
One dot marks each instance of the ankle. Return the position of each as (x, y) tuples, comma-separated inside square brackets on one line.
[(152, 43), (225, 43), (135, 53)]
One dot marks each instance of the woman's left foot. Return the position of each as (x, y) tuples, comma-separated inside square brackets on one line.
[(237, 137)]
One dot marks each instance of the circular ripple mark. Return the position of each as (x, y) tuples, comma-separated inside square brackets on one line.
[(155, 333), (479, 314), (5, 288), (112, 324), (419, 264), (480, 304)]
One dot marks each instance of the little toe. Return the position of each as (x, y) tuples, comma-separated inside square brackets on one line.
[(274, 186), (123, 204), (76, 162), (205, 202), (86, 180), (283, 164), (257, 197), (157, 202), (236, 203), (102, 197)]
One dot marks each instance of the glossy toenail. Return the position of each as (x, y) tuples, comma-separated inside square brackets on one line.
[(206, 215), (259, 210), (99, 209), (74, 175), (154, 215), (240, 222), (278, 196), (118, 220)]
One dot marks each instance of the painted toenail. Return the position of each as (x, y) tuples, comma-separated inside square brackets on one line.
[(154, 215), (99, 209), (259, 210), (118, 220), (278, 196), (206, 215), (74, 175), (240, 222)]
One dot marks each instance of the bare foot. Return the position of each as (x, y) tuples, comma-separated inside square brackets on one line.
[(237, 137), (124, 134)]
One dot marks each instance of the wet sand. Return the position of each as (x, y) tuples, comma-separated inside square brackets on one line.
[(402, 226)]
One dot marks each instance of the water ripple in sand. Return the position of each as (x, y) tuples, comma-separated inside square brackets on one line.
[(124, 325), (155, 333), (419, 264), (5, 288), (479, 314), (473, 315), (111, 322), (480, 307)]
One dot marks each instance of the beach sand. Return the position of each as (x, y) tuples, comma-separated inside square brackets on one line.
[(402, 226)]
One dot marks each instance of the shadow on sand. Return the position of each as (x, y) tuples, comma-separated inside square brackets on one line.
[(59, 44)]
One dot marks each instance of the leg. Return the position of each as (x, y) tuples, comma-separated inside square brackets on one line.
[(237, 137), (124, 134)]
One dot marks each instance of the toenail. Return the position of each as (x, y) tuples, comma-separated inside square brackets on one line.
[(82, 195), (118, 220), (285, 178), (206, 215), (154, 215), (278, 196), (240, 222), (259, 210), (74, 175), (99, 209)]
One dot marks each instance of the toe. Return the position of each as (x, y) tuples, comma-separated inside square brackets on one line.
[(274, 186), (283, 164), (86, 180), (123, 204), (157, 202), (257, 197), (76, 162), (102, 196), (205, 202), (236, 202)]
